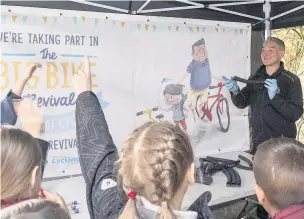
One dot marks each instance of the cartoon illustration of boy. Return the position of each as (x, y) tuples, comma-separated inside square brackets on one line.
[(200, 77), (175, 97)]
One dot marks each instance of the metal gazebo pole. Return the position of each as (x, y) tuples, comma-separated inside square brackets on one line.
[(267, 10)]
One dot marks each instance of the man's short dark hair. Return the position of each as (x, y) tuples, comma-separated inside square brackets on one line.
[(278, 42), (279, 171)]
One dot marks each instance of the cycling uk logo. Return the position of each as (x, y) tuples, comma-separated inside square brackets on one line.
[(58, 160)]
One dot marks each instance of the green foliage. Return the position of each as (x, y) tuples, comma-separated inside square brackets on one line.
[(294, 59)]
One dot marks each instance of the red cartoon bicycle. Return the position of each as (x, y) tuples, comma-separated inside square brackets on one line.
[(222, 108)]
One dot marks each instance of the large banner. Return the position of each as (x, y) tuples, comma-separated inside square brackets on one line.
[(155, 69)]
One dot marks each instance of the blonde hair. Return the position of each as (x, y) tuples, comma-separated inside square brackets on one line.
[(279, 170), (20, 154), (153, 164), (35, 209)]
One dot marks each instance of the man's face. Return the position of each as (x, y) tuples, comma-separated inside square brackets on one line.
[(271, 54), (172, 99), (200, 52)]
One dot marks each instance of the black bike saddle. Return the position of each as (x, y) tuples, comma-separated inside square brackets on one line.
[(236, 78)]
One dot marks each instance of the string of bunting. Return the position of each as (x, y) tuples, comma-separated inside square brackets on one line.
[(140, 26)]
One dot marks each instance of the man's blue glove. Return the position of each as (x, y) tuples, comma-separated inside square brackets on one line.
[(231, 85), (272, 87)]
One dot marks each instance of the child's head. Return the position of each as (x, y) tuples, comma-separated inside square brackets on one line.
[(35, 209), (279, 174), (173, 94), (20, 164), (157, 164)]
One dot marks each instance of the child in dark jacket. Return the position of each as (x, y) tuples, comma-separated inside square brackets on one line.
[(154, 169), (279, 174), (22, 164), (11, 104)]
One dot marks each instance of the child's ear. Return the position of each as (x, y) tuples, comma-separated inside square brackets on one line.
[(260, 194)]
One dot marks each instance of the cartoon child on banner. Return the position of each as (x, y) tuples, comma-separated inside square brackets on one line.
[(175, 97), (200, 77)]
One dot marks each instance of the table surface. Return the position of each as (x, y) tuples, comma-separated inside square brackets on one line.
[(73, 189)]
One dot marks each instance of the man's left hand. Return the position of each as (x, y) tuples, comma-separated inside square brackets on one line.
[(272, 87)]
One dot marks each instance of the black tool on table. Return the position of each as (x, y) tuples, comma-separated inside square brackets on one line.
[(211, 165), (200, 174), (241, 157), (226, 168)]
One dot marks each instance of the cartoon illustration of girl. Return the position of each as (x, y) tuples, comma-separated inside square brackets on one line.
[(175, 97), (200, 76)]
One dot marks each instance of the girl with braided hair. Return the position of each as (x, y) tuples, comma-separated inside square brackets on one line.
[(154, 169), (157, 165)]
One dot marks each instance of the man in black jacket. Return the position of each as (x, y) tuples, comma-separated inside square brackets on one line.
[(276, 105)]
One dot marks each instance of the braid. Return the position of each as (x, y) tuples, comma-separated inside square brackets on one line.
[(165, 169), (154, 162)]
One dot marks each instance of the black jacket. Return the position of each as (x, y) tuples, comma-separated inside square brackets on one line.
[(8, 115), (276, 117), (97, 155)]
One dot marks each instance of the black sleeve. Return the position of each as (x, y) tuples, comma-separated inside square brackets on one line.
[(291, 107), (44, 145), (8, 115), (97, 154), (11, 95), (242, 99)]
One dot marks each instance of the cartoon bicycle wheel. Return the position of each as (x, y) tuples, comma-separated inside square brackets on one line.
[(222, 108), (222, 111)]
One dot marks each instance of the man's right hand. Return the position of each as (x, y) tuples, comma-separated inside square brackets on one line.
[(231, 85)]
